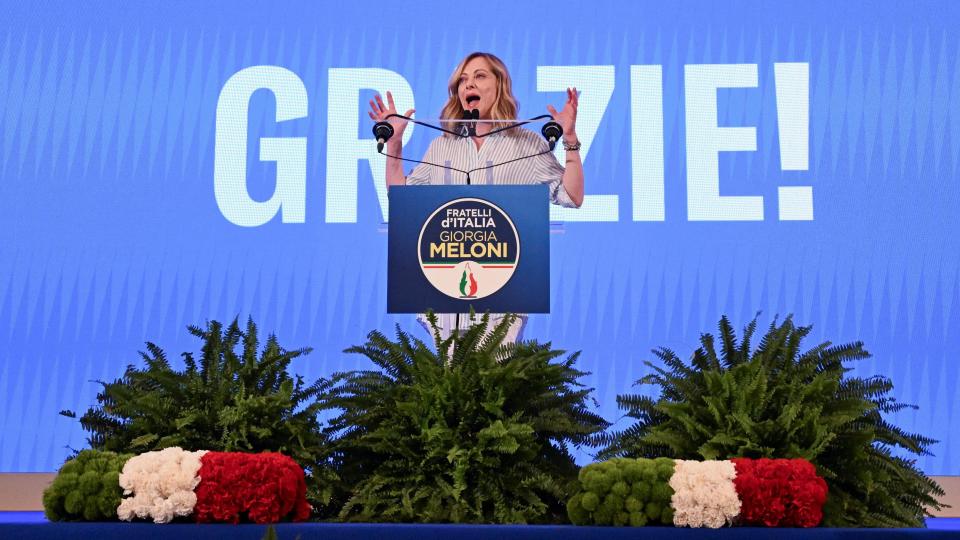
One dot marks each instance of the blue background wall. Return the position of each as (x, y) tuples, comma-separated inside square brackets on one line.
[(110, 233)]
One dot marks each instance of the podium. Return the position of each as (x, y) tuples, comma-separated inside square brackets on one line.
[(451, 249)]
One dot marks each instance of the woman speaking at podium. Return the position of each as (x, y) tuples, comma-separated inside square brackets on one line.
[(482, 83)]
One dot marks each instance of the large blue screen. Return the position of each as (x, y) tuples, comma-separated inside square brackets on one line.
[(166, 163)]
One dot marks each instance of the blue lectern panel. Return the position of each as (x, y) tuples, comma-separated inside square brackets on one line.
[(453, 248)]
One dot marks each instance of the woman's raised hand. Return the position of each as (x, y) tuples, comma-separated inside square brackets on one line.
[(567, 117), (379, 112)]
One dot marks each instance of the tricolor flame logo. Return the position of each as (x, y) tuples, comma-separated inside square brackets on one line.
[(468, 283)]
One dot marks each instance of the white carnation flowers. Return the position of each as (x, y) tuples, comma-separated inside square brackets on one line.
[(160, 485), (704, 494)]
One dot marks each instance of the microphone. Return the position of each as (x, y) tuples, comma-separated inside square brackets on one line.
[(473, 114), (552, 132), (382, 131)]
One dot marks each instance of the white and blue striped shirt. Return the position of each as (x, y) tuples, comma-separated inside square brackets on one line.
[(463, 154)]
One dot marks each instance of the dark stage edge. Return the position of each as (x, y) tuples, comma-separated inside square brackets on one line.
[(32, 525)]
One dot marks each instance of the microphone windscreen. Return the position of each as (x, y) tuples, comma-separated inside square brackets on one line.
[(382, 131), (552, 131)]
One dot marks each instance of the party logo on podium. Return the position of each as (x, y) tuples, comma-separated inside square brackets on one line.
[(468, 248)]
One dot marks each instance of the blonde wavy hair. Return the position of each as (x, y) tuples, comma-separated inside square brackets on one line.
[(504, 108)]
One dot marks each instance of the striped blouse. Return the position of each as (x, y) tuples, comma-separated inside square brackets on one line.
[(463, 154)]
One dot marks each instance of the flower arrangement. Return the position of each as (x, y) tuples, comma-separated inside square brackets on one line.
[(704, 494), (638, 492), (160, 485), (267, 487), (174, 483), (780, 492), (86, 488), (622, 491)]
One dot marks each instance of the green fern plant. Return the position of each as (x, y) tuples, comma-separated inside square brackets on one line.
[(779, 401), (230, 400), (471, 431)]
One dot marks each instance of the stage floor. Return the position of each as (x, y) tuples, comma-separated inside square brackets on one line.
[(32, 525)]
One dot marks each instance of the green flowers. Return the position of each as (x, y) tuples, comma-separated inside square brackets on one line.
[(622, 491), (86, 488)]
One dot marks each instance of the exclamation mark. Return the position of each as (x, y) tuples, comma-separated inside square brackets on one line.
[(792, 80)]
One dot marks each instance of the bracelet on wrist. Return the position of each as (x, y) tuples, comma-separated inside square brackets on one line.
[(571, 147)]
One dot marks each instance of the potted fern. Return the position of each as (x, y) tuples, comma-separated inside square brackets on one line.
[(780, 401), (472, 430), (236, 397)]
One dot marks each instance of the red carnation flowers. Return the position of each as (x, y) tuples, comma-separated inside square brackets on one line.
[(779, 492), (266, 487)]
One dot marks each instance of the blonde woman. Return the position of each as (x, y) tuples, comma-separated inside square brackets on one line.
[(481, 81)]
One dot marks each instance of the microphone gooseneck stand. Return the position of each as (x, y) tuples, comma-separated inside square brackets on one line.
[(551, 131)]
